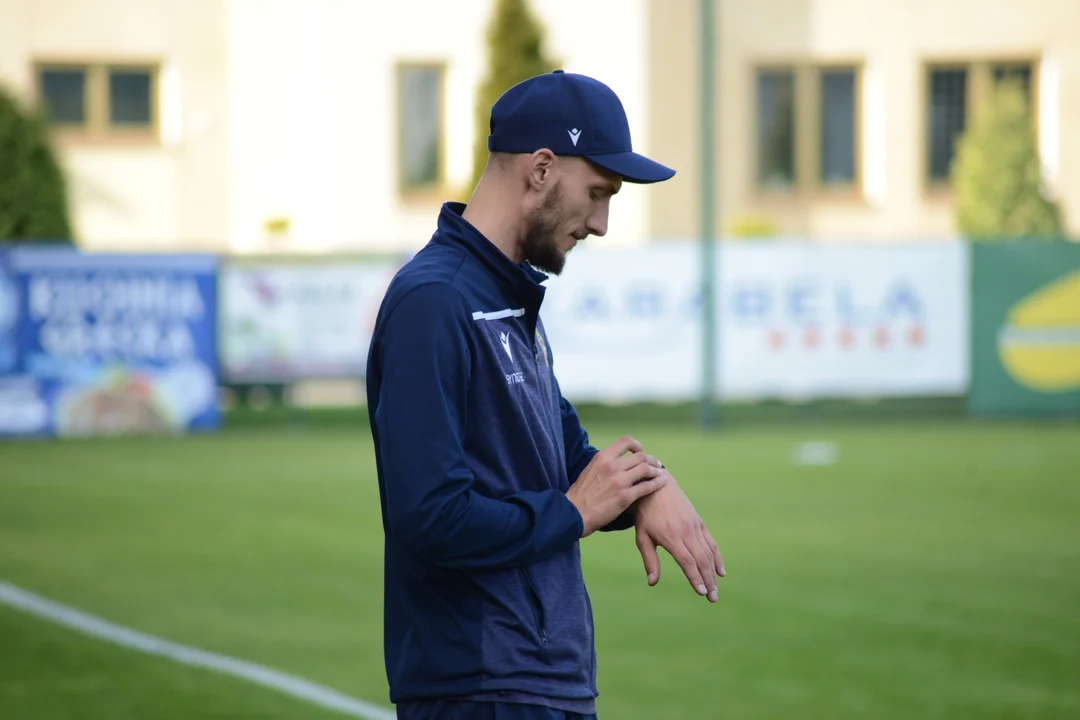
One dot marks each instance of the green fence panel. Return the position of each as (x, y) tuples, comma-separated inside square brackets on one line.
[(1025, 345)]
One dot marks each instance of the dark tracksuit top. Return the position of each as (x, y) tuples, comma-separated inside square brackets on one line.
[(475, 449)]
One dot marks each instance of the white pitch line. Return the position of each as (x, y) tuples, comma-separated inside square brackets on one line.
[(126, 637)]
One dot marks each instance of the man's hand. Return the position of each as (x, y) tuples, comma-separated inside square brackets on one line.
[(613, 481), (667, 519)]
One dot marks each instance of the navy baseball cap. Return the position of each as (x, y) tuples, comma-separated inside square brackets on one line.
[(570, 114)]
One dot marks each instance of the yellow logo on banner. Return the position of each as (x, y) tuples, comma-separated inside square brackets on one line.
[(1039, 344)]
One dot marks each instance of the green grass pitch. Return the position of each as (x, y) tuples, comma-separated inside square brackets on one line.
[(932, 571)]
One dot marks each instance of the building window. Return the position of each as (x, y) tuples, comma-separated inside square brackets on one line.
[(420, 126), (776, 128), (838, 127), (100, 100), (1020, 73), (807, 132), (954, 95), (64, 94), (948, 117), (131, 100)]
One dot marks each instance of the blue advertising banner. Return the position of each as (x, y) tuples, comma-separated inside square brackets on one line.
[(22, 411), (9, 315), (113, 344)]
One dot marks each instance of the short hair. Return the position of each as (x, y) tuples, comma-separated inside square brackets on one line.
[(500, 160)]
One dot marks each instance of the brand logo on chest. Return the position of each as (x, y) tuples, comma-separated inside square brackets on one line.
[(504, 338)]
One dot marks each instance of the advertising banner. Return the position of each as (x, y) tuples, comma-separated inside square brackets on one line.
[(800, 320), (625, 325), (288, 322), (1025, 328), (9, 315), (794, 320), (22, 411), (112, 344)]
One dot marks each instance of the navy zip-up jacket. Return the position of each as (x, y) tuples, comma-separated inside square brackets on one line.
[(475, 448)]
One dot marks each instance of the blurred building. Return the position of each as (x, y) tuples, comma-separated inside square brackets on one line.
[(836, 119), (254, 125), (324, 125)]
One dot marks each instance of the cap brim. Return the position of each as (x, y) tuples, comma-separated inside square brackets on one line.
[(632, 167)]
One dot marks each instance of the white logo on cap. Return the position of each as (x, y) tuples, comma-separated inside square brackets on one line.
[(574, 135)]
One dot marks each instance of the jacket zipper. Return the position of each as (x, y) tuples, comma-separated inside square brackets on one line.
[(538, 606), (554, 424)]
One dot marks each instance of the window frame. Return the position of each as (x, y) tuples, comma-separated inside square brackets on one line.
[(852, 188), (98, 128), (429, 192), (807, 140), (970, 91), (980, 79), (758, 70), (1034, 62)]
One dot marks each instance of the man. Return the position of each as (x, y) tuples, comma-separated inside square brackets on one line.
[(487, 480)]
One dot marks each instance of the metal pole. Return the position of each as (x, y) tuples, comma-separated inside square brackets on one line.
[(710, 414)]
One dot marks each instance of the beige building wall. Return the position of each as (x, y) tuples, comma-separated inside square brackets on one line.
[(288, 109), (158, 191), (316, 129), (289, 114), (891, 44)]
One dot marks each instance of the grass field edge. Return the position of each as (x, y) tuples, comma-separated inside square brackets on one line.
[(23, 600)]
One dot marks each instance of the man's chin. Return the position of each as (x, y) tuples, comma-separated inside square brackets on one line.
[(556, 271), (550, 259), (551, 266)]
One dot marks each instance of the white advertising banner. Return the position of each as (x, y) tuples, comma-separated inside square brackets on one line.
[(794, 320), (624, 324), (801, 320), (287, 322)]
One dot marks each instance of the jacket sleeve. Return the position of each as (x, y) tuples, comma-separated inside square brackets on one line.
[(579, 453), (425, 353)]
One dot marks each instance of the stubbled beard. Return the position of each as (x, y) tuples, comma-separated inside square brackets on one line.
[(541, 244)]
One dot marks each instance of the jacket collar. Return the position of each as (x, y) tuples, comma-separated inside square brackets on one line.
[(523, 280)]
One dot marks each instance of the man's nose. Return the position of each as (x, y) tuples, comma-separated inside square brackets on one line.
[(598, 221)]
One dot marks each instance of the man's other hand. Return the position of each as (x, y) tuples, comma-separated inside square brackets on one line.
[(668, 519), (613, 481)]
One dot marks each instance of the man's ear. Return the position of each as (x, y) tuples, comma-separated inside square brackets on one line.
[(541, 169)]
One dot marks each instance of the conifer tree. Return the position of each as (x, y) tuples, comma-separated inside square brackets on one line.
[(515, 39), (33, 189), (997, 174)]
